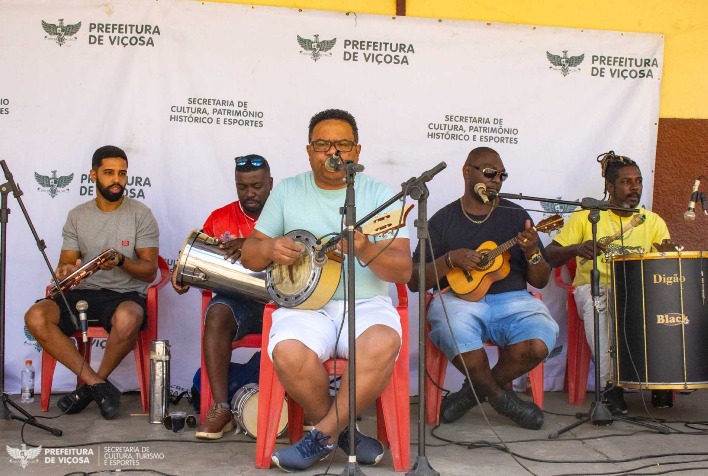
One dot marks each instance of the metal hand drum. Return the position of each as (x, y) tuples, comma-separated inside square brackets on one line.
[(661, 320), (201, 264)]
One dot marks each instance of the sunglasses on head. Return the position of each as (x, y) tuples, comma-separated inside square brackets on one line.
[(491, 173), (255, 160)]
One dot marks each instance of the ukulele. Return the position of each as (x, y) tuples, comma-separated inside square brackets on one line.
[(474, 284)]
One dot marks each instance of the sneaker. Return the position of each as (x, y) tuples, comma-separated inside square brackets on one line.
[(455, 405), (107, 397), (218, 421), (614, 398), (303, 454), (525, 414), (662, 399), (369, 451), (75, 401)]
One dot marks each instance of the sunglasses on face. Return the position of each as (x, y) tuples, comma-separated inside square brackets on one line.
[(340, 145), (491, 173), (255, 160)]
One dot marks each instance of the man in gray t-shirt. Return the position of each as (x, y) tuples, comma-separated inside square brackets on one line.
[(115, 294)]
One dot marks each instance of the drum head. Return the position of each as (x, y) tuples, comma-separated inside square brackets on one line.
[(292, 285), (245, 408)]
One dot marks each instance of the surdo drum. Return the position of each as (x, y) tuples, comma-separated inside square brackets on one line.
[(661, 320)]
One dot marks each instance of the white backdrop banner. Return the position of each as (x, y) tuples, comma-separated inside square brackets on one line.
[(184, 87)]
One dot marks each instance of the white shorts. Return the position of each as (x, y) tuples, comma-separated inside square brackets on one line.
[(319, 329)]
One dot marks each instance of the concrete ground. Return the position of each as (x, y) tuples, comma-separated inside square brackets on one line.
[(470, 446)]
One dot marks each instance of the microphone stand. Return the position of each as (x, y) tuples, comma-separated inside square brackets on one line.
[(599, 414), (419, 191), (351, 169), (5, 189), (416, 188)]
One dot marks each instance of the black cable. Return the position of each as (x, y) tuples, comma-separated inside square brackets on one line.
[(457, 351)]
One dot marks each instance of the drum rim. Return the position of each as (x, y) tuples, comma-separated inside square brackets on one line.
[(660, 255), (182, 259), (293, 300), (242, 395)]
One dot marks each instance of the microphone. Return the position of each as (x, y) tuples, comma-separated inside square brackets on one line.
[(690, 214), (82, 306), (481, 190), (334, 163)]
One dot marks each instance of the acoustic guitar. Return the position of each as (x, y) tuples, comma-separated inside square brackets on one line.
[(309, 284), (473, 285)]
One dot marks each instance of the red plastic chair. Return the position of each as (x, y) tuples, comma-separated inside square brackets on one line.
[(578, 353), (141, 351), (251, 341), (392, 407), (436, 363)]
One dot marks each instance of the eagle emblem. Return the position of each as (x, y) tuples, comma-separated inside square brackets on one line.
[(23, 454), (316, 48), (61, 32), (565, 63), (557, 208), (53, 184)]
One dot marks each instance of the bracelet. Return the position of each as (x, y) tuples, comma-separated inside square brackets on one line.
[(121, 260), (448, 261)]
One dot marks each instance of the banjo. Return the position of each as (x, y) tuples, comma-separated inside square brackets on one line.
[(310, 282)]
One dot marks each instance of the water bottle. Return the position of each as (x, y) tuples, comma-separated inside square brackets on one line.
[(27, 383)]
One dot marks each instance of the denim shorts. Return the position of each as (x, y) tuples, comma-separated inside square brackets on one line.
[(504, 319), (247, 313)]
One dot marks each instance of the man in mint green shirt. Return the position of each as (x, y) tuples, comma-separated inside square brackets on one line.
[(300, 340)]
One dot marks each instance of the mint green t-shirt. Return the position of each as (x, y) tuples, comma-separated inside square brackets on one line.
[(297, 203)]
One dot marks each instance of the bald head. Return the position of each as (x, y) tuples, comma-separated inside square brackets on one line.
[(480, 153)]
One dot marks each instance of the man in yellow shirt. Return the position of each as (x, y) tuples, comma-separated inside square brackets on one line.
[(623, 184)]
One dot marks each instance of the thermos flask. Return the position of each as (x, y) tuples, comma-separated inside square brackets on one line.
[(159, 380)]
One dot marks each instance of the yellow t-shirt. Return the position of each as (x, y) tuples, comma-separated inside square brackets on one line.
[(578, 229)]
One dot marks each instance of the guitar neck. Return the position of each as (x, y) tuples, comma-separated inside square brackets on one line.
[(501, 248)]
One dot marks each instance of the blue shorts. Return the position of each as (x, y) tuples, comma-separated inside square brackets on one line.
[(247, 313), (504, 319)]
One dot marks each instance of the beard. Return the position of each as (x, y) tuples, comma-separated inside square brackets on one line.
[(108, 195), (253, 208)]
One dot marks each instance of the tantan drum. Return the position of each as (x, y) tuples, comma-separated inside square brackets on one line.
[(201, 264), (661, 324), (244, 407)]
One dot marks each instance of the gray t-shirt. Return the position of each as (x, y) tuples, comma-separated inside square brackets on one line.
[(91, 231)]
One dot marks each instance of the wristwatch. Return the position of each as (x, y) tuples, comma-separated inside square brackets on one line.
[(535, 258), (121, 260)]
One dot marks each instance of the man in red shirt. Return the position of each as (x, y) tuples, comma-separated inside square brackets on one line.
[(230, 317)]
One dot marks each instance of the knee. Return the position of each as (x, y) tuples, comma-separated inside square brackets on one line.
[(220, 319), (38, 319), (379, 344), (127, 321), (291, 355), (537, 350)]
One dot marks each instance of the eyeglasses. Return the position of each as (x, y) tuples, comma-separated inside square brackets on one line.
[(255, 160), (491, 173), (324, 145)]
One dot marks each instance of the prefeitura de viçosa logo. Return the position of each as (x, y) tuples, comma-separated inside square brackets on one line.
[(61, 33), (315, 47), (53, 185), (565, 64)]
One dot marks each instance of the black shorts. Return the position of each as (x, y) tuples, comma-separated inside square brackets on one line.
[(102, 304)]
